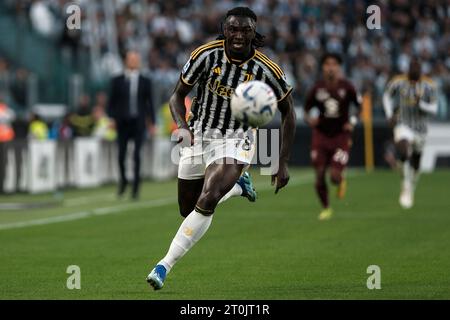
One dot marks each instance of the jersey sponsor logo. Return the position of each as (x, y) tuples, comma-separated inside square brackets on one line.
[(219, 89), (331, 108)]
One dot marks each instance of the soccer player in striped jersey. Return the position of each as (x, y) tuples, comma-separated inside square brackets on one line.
[(219, 147), (408, 101)]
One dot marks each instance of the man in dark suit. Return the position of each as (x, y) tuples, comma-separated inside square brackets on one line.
[(130, 105)]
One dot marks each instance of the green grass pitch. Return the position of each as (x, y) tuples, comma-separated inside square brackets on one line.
[(272, 249)]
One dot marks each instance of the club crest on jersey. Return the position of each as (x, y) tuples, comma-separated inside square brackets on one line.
[(217, 70), (248, 77), (341, 93), (322, 94)]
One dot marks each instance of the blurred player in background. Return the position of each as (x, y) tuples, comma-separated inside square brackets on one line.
[(210, 163), (332, 128), (408, 100)]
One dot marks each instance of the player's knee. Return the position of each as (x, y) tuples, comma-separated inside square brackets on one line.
[(208, 201)]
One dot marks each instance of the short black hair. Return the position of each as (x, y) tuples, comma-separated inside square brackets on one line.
[(258, 42), (242, 12), (332, 55)]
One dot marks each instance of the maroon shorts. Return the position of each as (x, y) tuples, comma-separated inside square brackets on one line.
[(330, 151)]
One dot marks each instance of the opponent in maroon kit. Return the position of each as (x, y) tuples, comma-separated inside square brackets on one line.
[(332, 127)]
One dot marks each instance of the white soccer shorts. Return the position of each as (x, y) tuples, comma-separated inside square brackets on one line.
[(195, 159), (416, 139)]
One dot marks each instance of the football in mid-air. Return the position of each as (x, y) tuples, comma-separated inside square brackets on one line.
[(253, 103)]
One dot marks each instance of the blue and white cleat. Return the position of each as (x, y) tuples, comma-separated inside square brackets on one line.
[(157, 276), (246, 183)]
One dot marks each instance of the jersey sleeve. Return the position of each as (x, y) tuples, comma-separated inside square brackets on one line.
[(428, 101), (355, 97), (310, 100), (274, 76), (194, 68), (392, 87), (279, 85), (388, 100), (430, 93)]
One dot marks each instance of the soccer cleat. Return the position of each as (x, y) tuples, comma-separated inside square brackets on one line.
[(248, 191), (326, 214), (157, 276), (406, 199), (342, 189)]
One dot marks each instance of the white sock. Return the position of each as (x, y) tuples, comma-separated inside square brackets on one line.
[(407, 175), (235, 191), (191, 230)]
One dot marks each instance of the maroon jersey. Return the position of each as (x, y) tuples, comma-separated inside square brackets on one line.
[(333, 103)]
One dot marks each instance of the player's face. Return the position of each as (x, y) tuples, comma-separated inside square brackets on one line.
[(239, 33), (331, 69), (414, 70), (133, 60)]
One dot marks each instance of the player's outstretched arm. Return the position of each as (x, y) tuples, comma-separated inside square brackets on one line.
[(388, 101), (178, 108), (286, 107), (307, 106), (428, 102)]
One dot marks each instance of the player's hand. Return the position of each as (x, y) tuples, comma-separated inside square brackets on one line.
[(313, 122), (112, 124), (152, 130), (348, 127), (392, 122), (418, 100), (184, 136), (281, 178)]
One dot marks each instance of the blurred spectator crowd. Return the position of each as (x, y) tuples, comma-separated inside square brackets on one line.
[(297, 33)]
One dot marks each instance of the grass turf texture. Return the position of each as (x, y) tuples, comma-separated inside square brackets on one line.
[(273, 249)]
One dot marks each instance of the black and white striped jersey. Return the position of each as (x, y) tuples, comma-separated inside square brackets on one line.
[(404, 99), (216, 77)]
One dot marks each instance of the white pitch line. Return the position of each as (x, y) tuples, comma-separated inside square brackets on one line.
[(86, 214), (86, 200), (307, 178)]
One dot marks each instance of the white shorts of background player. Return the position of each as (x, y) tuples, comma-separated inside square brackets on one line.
[(416, 139)]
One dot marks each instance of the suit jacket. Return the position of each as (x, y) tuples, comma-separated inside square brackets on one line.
[(119, 100)]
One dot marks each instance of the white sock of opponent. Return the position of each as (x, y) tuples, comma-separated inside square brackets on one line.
[(191, 230), (234, 192)]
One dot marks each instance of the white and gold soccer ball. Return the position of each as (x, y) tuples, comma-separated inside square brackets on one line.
[(253, 103)]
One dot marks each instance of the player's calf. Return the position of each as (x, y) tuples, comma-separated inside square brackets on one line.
[(219, 179), (322, 191)]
